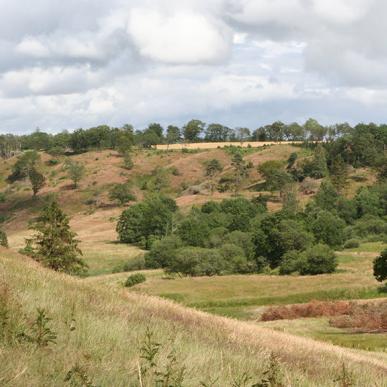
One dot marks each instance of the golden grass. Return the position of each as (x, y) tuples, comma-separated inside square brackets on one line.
[(110, 322)]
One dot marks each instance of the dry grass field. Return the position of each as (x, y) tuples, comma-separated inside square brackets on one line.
[(108, 327)]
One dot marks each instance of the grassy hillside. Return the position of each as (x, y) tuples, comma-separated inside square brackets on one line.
[(94, 215), (101, 328)]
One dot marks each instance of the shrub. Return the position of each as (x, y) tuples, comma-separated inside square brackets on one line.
[(162, 251), (174, 171), (196, 261), (3, 239), (128, 163), (135, 279), (53, 162), (291, 262), (242, 211), (2, 197), (75, 171), (351, 244), (194, 230), (328, 229), (318, 259), (121, 193), (370, 225), (380, 266), (242, 240)]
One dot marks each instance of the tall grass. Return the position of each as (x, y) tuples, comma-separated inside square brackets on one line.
[(100, 330)]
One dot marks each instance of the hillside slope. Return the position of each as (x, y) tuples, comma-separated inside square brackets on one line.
[(109, 325)]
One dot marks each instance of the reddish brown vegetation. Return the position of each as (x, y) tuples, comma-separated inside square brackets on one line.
[(360, 316), (371, 317), (311, 309)]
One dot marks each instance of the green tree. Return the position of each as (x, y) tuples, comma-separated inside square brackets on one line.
[(290, 203), (242, 134), (319, 259), (23, 164), (196, 261), (380, 266), (316, 131), (339, 173), (317, 166), (125, 139), (37, 180), (121, 193), (368, 202), (151, 218), (194, 230), (128, 162), (291, 235), (328, 228), (54, 244), (326, 197), (192, 130), (217, 132), (162, 251), (75, 171), (173, 134), (213, 168), (276, 178), (240, 171), (3, 238)]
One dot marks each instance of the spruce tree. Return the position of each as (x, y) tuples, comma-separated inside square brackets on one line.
[(54, 244)]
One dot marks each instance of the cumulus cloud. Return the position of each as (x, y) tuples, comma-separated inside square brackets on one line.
[(79, 63)]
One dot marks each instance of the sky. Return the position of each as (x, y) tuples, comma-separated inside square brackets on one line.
[(81, 63)]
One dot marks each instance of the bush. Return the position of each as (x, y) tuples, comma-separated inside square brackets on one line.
[(352, 244), (370, 225), (135, 279), (196, 261), (162, 251), (2, 197), (121, 193), (3, 239), (242, 240), (291, 262), (328, 229), (318, 259), (380, 266), (194, 230), (53, 162)]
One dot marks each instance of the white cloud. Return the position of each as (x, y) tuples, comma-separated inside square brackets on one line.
[(70, 64), (181, 37)]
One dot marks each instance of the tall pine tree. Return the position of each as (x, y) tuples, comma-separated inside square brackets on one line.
[(54, 244)]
